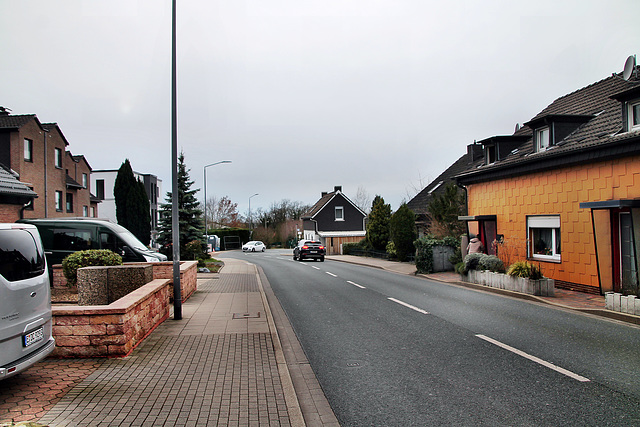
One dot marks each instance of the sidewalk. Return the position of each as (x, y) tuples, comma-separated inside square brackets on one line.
[(222, 364)]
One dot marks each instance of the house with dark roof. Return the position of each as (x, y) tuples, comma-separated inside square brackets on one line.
[(333, 220), (419, 204), (14, 196), (37, 153), (564, 189)]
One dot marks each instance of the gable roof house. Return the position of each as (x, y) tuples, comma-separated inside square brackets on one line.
[(334, 220), (419, 204), (14, 196), (564, 189), (37, 153)]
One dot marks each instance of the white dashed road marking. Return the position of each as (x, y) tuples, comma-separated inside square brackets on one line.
[(419, 310)]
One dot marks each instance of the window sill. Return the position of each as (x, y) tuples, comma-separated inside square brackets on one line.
[(543, 258)]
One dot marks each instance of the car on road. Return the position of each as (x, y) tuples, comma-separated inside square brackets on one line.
[(309, 249), (254, 246), (25, 300)]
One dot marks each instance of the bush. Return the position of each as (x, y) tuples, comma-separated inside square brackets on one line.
[(472, 261), (525, 269), (491, 263), (92, 257), (391, 250)]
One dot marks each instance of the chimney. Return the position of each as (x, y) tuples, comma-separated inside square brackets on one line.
[(337, 188), (324, 193), (475, 151)]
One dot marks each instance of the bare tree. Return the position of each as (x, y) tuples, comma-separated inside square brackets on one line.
[(363, 200), (222, 212)]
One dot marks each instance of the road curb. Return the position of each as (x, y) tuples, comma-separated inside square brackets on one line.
[(290, 396)]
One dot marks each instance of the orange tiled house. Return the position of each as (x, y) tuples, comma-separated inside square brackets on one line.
[(564, 189)]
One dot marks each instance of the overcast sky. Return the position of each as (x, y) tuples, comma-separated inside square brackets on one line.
[(302, 95)]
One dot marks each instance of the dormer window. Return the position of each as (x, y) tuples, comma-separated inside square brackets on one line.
[(543, 140), (634, 115), (491, 154)]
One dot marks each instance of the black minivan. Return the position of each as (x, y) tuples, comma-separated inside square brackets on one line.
[(64, 236), (25, 300)]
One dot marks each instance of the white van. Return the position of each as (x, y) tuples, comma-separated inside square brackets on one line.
[(25, 300)]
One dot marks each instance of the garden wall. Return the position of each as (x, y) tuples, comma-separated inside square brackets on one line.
[(114, 330), (542, 287)]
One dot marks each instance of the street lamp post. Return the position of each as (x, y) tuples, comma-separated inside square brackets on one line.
[(250, 223), (206, 228)]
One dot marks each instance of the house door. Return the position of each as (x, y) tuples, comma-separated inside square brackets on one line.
[(628, 275)]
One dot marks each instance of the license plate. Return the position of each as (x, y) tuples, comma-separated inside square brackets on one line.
[(313, 252), (33, 337)]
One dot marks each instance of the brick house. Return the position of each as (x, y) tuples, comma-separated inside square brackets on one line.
[(334, 220), (14, 196), (564, 189), (37, 153)]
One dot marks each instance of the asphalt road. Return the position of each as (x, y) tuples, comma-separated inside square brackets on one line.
[(394, 350)]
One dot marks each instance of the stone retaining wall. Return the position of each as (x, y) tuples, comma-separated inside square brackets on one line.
[(112, 330), (161, 270)]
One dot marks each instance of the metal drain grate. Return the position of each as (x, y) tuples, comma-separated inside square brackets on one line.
[(246, 315)]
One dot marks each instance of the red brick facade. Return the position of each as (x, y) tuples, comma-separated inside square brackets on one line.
[(9, 213), (45, 170)]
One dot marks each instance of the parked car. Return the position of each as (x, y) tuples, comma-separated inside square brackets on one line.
[(254, 246), (25, 300), (64, 236), (309, 249)]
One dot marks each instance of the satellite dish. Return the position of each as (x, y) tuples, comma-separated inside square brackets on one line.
[(629, 67)]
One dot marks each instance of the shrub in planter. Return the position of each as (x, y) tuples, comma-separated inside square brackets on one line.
[(472, 261), (525, 269), (491, 263), (92, 257)]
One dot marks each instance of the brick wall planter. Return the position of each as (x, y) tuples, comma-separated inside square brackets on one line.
[(629, 304), (161, 270), (114, 330), (111, 330), (543, 287)]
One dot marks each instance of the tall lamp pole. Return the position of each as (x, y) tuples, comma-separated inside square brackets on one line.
[(177, 297), (250, 223), (206, 228)]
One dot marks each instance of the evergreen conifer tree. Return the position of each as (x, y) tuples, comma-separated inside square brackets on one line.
[(132, 203), (189, 214), (402, 229), (378, 224)]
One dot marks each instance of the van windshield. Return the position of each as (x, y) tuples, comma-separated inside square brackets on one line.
[(21, 255), (131, 240)]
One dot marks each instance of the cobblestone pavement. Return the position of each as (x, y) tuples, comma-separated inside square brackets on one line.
[(28, 396)]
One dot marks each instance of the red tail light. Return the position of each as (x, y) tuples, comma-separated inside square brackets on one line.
[(305, 247), (321, 247)]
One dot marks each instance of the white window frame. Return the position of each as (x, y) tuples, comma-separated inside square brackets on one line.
[(544, 222), (339, 209), (28, 150), (631, 116), (58, 201), (539, 134), (58, 158), (85, 211)]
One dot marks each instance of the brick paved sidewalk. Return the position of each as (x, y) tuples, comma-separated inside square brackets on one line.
[(216, 366)]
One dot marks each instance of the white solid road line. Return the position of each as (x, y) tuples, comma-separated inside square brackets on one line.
[(534, 359), (355, 284), (419, 310)]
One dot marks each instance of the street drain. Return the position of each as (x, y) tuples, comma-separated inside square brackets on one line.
[(246, 315)]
